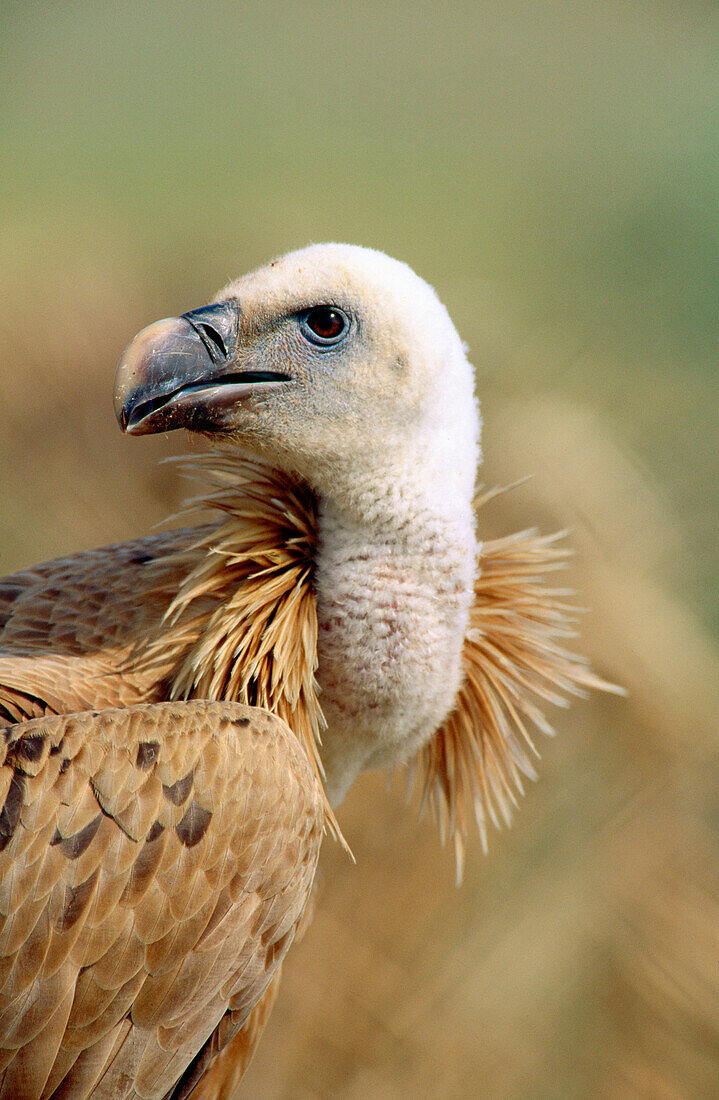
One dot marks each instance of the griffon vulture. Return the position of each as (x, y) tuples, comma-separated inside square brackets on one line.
[(167, 772)]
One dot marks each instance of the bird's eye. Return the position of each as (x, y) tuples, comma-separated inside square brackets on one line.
[(325, 325)]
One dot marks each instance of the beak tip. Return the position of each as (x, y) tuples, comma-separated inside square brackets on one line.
[(141, 367)]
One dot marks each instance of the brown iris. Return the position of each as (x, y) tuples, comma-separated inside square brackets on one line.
[(326, 323)]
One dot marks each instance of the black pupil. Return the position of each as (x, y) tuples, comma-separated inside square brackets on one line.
[(325, 322)]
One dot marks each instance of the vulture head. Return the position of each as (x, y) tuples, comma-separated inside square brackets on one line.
[(335, 363)]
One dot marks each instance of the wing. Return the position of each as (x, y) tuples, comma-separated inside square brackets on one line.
[(217, 1072), (69, 627), (154, 865), (225, 1071)]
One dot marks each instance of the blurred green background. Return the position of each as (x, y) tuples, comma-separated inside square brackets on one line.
[(553, 170)]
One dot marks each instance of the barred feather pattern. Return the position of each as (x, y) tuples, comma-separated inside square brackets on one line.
[(514, 661)]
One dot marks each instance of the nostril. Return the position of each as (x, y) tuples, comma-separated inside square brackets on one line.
[(216, 326), (211, 338)]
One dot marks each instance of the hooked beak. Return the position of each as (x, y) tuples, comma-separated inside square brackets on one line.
[(178, 373)]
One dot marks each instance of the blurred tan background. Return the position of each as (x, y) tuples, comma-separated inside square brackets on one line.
[(553, 170)]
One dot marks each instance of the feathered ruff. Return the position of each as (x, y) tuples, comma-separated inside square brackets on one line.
[(243, 627), (514, 662)]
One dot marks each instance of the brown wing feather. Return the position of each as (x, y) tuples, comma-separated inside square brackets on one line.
[(69, 628), (154, 865), (218, 1068)]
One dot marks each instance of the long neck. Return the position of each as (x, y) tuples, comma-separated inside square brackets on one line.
[(394, 578)]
